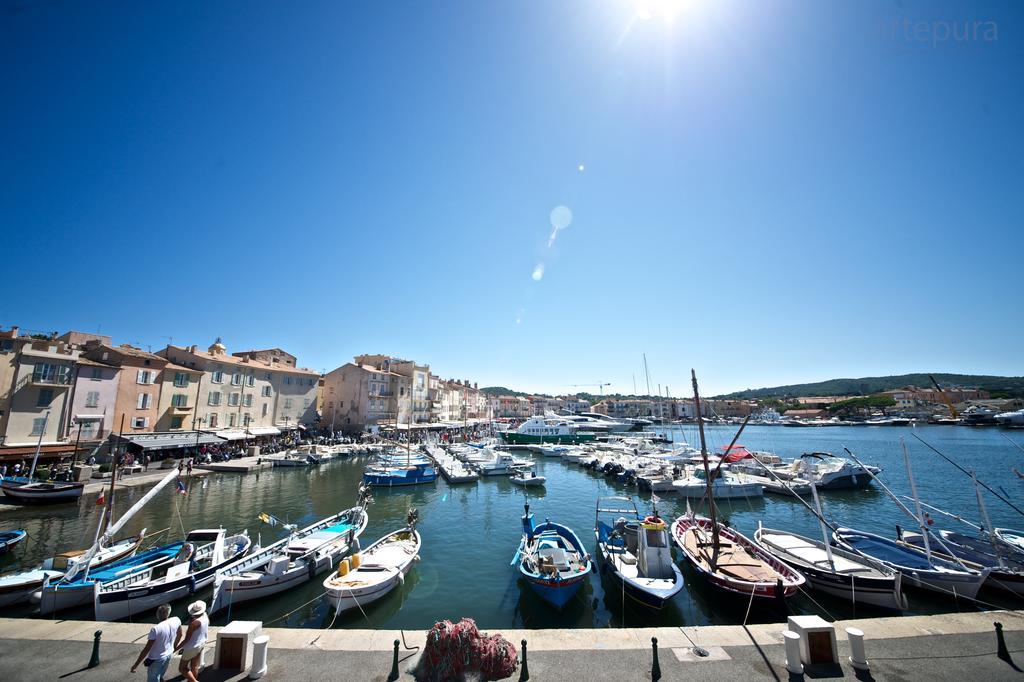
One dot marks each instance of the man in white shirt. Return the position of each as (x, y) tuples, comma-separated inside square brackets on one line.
[(164, 638)]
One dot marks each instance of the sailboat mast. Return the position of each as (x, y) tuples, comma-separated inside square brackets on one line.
[(917, 503), (704, 458), (986, 520), (39, 446), (821, 524)]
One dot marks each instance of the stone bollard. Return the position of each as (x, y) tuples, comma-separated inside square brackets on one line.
[(858, 659), (394, 665), (793, 663), (259, 657), (94, 660), (524, 671), (655, 665)]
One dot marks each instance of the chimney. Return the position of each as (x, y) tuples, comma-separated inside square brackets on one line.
[(193, 348), (14, 331)]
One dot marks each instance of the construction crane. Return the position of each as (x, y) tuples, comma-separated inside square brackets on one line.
[(949, 403), (600, 386)]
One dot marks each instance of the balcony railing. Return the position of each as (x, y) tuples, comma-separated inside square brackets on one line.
[(52, 378)]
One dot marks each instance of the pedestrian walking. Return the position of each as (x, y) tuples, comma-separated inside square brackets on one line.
[(164, 638), (194, 641)]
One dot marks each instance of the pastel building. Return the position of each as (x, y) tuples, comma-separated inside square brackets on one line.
[(139, 382), (93, 400)]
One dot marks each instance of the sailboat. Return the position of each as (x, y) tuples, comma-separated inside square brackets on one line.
[(391, 474), (838, 572), (985, 551), (725, 557), (637, 552), (42, 492), (919, 568), (101, 560), (552, 559), (195, 566), (291, 561)]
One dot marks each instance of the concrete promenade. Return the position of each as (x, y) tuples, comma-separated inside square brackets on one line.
[(947, 647)]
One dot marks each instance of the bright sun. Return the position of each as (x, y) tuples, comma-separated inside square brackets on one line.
[(666, 10)]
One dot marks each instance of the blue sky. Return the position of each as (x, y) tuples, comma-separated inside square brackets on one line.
[(770, 192)]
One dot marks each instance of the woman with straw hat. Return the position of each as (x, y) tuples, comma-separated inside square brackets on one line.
[(194, 641)]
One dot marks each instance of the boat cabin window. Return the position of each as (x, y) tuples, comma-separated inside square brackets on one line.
[(655, 538)]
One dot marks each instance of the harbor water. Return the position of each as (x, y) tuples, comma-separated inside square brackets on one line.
[(471, 531)]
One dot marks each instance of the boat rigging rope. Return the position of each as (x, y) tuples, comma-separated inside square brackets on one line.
[(749, 604), (319, 596), (807, 594)]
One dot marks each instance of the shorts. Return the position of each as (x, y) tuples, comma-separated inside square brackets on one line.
[(189, 654)]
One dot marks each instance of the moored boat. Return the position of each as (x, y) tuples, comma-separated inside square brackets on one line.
[(374, 572), (919, 569), (546, 430), (552, 559), (637, 552), (835, 571), (526, 476), (194, 568), (291, 561), (10, 538), (1007, 567), (43, 492)]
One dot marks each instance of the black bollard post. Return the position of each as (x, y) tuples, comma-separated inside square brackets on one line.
[(780, 596), (656, 666), (394, 665), (524, 671), (94, 660), (1001, 651)]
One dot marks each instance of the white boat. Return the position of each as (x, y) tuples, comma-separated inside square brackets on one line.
[(374, 572), (290, 459), (496, 463), (615, 425), (144, 590), (1014, 538), (43, 492), (526, 476), (546, 430), (291, 561), (835, 571), (1015, 418), (637, 552), (724, 485)]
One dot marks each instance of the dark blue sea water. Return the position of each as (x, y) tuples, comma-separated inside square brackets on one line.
[(471, 531)]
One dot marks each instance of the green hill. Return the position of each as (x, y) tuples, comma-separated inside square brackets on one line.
[(999, 387)]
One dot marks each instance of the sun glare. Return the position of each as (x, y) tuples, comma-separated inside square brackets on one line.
[(666, 10)]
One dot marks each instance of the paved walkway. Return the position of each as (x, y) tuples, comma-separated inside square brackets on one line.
[(947, 647)]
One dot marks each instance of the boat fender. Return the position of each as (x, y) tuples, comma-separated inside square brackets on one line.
[(401, 578), (311, 567), (191, 584)]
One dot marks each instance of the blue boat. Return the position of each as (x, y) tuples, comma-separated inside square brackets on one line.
[(9, 538), (392, 475), (920, 569), (552, 559), (64, 594)]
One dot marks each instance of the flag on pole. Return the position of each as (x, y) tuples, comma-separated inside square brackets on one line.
[(181, 487), (102, 499)]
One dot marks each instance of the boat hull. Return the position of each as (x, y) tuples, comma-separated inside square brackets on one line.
[(790, 578), (18, 591), (558, 593), (44, 493), (345, 598), (513, 438)]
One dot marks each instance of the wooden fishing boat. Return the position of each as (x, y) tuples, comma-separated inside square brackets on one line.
[(835, 571), (730, 561), (43, 493), (552, 559), (374, 572), (10, 538), (636, 552), (1007, 568), (725, 557), (290, 562), (918, 568), (194, 568), (19, 587)]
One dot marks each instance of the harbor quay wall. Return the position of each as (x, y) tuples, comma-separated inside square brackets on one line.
[(948, 646)]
